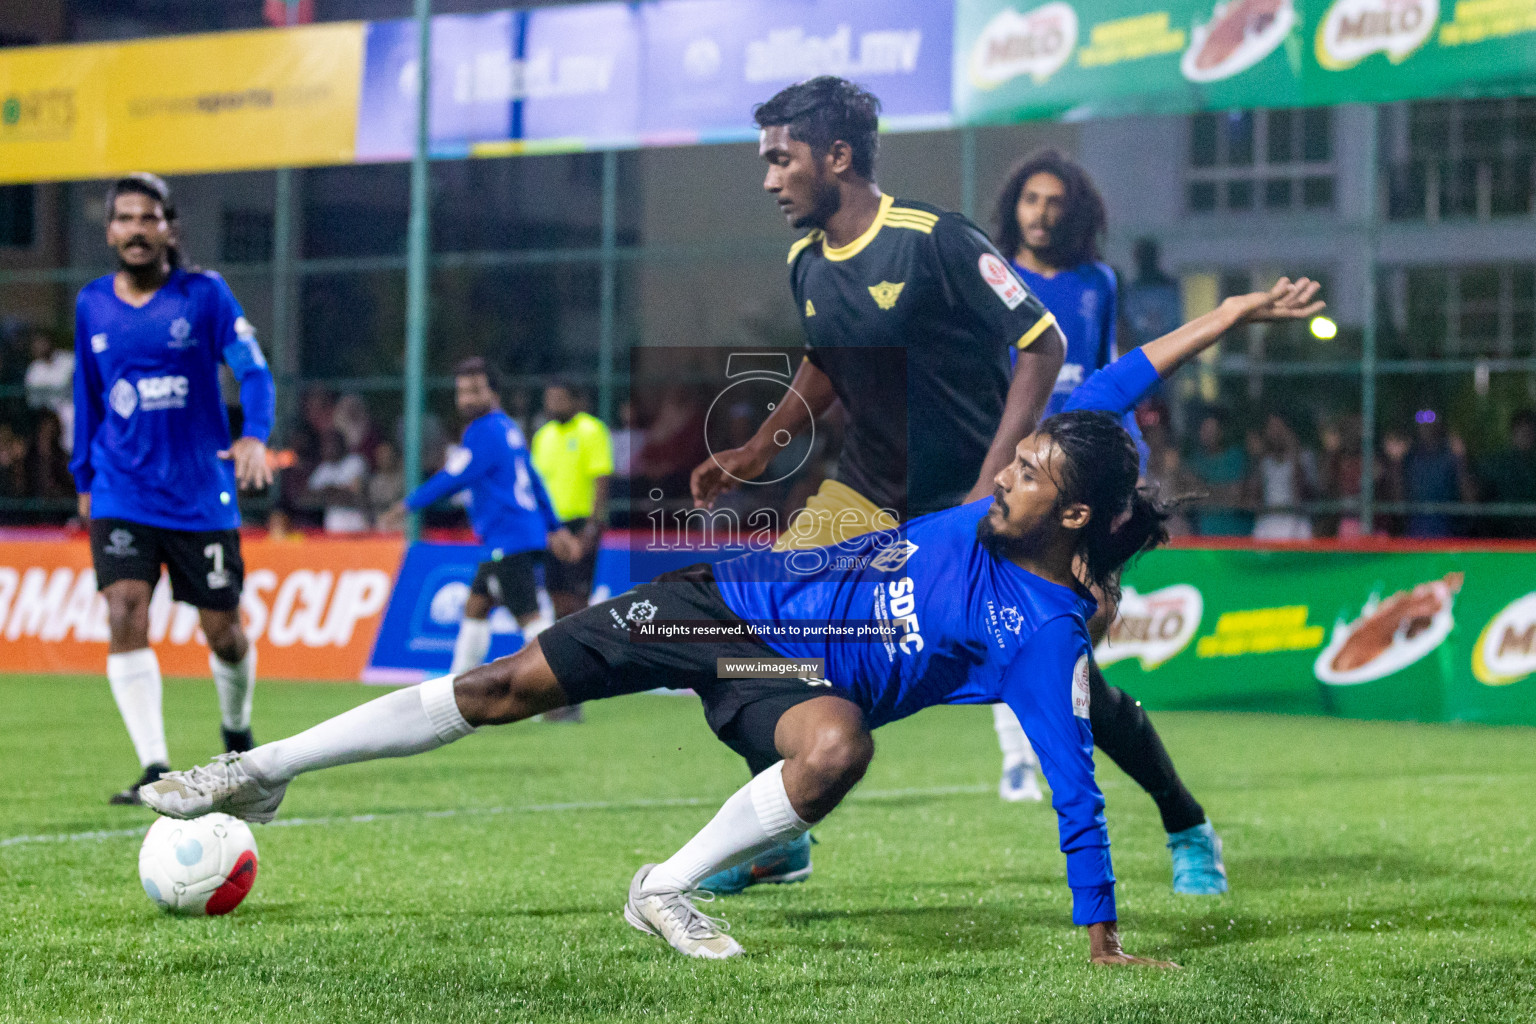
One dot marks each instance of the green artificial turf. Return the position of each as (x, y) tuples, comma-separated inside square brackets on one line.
[(1380, 872)]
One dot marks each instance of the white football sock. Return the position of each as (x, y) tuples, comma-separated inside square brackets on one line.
[(408, 721), (236, 683), (757, 817), (135, 681), (534, 627), (1011, 738), (471, 645)]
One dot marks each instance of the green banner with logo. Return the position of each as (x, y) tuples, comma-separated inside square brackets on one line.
[(1432, 636), (1017, 60)]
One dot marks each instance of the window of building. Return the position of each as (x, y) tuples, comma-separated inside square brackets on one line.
[(1242, 161), (18, 222), (1460, 159), (1450, 312)]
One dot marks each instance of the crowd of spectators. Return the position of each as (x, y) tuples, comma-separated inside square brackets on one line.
[(36, 428), (1267, 483)]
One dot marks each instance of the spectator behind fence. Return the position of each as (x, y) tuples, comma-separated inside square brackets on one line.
[(351, 418), (339, 483), (1433, 469), (1509, 475), (47, 473), (387, 484), (1218, 466), (50, 382), (13, 463), (1343, 467), (1284, 475)]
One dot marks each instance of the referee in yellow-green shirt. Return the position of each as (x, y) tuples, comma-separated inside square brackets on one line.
[(574, 456)]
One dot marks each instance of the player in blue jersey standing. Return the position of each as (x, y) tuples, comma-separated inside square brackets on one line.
[(1049, 218), (976, 604), (157, 472), (509, 509)]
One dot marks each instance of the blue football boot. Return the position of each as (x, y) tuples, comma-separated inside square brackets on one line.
[(1197, 866), (785, 863)]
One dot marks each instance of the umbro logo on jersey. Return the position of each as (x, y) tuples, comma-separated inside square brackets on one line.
[(893, 556), (120, 543), (181, 333), (98, 342), (123, 398), (886, 293)]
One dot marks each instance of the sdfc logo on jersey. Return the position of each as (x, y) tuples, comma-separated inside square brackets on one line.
[(155, 393), (123, 398), (885, 293), (893, 556), (1001, 280), (181, 333)]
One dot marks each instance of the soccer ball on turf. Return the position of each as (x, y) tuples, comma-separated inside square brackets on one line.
[(197, 867)]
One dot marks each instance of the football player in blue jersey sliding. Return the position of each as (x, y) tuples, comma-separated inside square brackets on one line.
[(980, 603), (1049, 218), (154, 464), (509, 510)]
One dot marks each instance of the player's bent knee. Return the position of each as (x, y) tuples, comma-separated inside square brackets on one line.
[(839, 756)]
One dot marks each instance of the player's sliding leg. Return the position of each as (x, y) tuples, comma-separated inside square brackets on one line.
[(825, 748), (1122, 730), (232, 660), (133, 672), (785, 863), (1020, 781), (408, 721)]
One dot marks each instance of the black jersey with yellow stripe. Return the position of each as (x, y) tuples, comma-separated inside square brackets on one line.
[(913, 321)]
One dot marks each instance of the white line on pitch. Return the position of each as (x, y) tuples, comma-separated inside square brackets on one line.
[(466, 812)]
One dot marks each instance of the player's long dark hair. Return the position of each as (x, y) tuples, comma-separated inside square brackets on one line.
[(1075, 239), (152, 185), (1100, 470)]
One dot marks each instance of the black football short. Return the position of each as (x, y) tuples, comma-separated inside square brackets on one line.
[(592, 656), (573, 577), (205, 565), (508, 580)]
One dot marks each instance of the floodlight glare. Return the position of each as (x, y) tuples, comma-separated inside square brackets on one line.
[(1323, 329)]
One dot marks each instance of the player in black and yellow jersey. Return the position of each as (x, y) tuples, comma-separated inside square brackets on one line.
[(910, 314)]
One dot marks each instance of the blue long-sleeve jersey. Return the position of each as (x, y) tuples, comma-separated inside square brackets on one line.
[(509, 508), (968, 628), (149, 418)]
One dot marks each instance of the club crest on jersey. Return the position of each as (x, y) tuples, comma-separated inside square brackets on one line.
[(885, 293), (893, 556), (1080, 687), (641, 612), (120, 543), (99, 342), (181, 333), (124, 398), (1001, 280), (1012, 620)]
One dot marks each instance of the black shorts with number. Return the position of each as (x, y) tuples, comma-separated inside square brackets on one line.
[(573, 577), (508, 580), (592, 657), (205, 565)]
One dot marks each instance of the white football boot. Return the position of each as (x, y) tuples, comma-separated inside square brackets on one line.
[(224, 785), (670, 913), (1020, 784)]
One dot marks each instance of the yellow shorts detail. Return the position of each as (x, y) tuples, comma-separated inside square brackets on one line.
[(835, 513)]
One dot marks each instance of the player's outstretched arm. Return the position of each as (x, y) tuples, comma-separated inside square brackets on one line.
[(1287, 300), (1104, 949), (725, 470)]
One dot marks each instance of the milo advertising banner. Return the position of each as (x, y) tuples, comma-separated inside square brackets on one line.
[(1016, 60), (1426, 636)]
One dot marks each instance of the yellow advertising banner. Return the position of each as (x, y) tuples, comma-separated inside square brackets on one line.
[(231, 101)]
